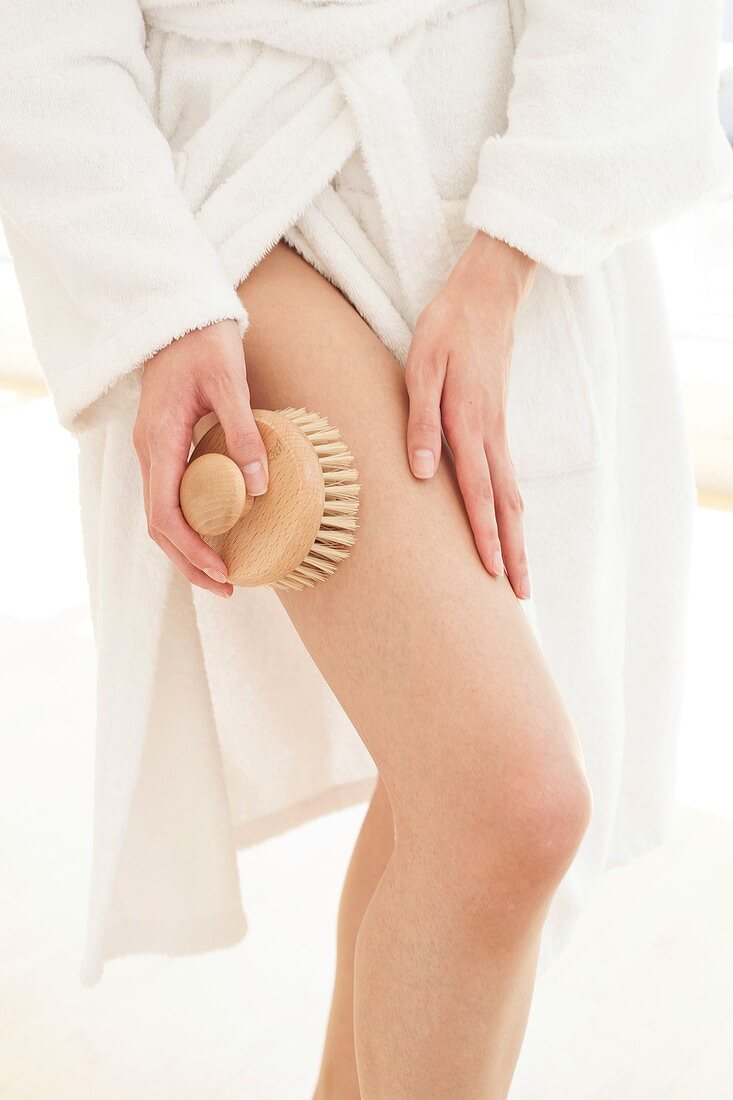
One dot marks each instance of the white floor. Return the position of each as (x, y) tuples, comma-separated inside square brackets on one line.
[(640, 1007)]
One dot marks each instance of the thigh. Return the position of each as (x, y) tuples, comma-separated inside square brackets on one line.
[(431, 657)]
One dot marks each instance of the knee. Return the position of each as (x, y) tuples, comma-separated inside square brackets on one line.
[(519, 847), (548, 810), (513, 824)]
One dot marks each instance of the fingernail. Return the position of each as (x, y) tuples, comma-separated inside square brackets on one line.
[(423, 462), (218, 592), (524, 588), (216, 575), (497, 564), (256, 478)]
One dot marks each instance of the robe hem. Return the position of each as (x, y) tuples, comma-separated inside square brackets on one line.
[(179, 941), (171, 942), (282, 821)]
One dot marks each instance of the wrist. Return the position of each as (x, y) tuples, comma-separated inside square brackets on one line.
[(508, 271)]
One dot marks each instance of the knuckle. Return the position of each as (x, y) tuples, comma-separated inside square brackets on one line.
[(463, 413), (477, 490), (424, 424), (245, 440), (224, 375), (462, 427), (520, 561), (159, 518), (139, 436), (511, 502), (421, 369)]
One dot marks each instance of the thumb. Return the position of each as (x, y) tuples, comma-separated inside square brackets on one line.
[(424, 388), (245, 445)]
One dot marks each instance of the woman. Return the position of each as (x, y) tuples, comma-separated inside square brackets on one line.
[(456, 187)]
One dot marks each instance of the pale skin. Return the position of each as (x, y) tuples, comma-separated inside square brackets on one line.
[(482, 798)]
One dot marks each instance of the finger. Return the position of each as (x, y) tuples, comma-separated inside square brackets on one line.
[(424, 382), (182, 563), (474, 480), (509, 509), (143, 457), (243, 439), (168, 453), (194, 575)]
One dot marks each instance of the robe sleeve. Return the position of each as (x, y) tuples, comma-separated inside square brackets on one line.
[(612, 127), (111, 261)]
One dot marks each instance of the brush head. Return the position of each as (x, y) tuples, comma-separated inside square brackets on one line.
[(302, 528)]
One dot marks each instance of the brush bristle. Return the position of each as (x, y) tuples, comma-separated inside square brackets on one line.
[(336, 534)]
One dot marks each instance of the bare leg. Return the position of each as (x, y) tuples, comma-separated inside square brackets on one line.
[(338, 1077), (436, 665)]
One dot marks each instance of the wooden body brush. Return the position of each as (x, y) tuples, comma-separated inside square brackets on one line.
[(302, 528)]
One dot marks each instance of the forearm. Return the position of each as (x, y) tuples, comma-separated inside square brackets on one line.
[(95, 218)]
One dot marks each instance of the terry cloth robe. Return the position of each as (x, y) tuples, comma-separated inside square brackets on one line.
[(149, 157)]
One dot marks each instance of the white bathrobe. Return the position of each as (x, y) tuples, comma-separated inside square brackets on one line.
[(148, 159)]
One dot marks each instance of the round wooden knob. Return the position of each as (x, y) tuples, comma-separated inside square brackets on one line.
[(213, 494)]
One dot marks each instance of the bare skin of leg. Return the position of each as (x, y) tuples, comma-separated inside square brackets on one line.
[(436, 665), (338, 1075), (338, 1078)]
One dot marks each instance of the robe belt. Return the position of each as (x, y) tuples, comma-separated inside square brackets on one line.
[(331, 74)]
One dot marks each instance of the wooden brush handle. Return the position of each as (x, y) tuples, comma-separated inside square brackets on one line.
[(213, 494)]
